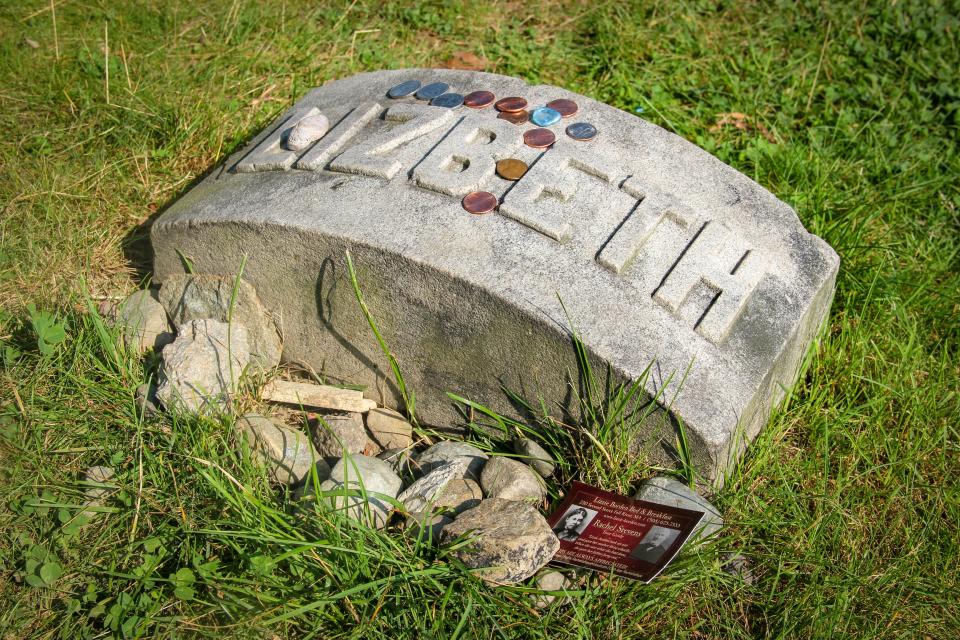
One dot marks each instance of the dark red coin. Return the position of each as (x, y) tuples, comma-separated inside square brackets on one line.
[(479, 202), (516, 117), (478, 99), (511, 104), (566, 107), (539, 138)]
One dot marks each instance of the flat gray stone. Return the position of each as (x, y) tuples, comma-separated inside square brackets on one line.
[(511, 541), (336, 432), (389, 429), (671, 492), (202, 366), (447, 450), (512, 480), (374, 477), (534, 455), (286, 452), (420, 495), (549, 580), (144, 322), (100, 477), (195, 297), (661, 254), (426, 525), (459, 495)]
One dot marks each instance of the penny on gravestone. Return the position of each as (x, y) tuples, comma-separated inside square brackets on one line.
[(478, 99), (674, 269), (514, 117), (511, 168), (511, 104), (564, 107), (480, 202), (539, 138)]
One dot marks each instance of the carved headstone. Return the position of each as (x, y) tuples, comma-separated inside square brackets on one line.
[(660, 253)]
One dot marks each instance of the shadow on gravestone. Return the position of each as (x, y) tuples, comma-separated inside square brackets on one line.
[(660, 252)]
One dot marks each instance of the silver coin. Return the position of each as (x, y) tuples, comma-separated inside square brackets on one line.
[(582, 131), (448, 100), (405, 88), (432, 90)]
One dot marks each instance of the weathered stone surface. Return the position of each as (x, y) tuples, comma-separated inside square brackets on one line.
[(389, 429), (196, 297), (445, 451), (334, 433), (145, 397), (100, 477), (668, 491), (549, 580), (511, 480), (427, 525), (659, 251), (399, 460), (421, 494), (535, 456), (376, 479), (202, 366), (459, 495), (287, 453), (144, 322), (512, 540)]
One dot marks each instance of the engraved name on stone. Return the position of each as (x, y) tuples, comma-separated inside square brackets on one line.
[(544, 200)]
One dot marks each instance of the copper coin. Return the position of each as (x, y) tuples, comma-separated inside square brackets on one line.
[(478, 99), (516, 117), (478, 202), (566, 107), (539, 138), (511, 104), (511, 169)]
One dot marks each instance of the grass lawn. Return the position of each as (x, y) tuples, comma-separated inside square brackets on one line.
[(848, 505)]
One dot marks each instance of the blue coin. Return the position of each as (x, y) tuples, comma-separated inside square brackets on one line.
[(544, 116), (448, 100), (431, 91), (405, 88), (582, 131)]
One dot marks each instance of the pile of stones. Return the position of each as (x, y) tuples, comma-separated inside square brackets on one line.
[(210, 330), (357, 458)]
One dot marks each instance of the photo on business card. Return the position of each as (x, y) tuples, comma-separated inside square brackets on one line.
[(573, 522), (653, 545)]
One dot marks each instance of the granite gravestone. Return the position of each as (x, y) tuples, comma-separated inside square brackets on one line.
[(661, 254)]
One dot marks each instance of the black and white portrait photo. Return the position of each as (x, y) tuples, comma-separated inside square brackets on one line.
[(573, 522), (654, 544)]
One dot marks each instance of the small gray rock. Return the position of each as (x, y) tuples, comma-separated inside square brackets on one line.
[(426, 525), (447, 450), (194, 297), (389, 429), (287, 453), (549, 580), (509, 540), (535, 456), (196, 374), (459, 495), (668, 491), (143, 322), (372, 476), (336, 432), (511, 480), (98, 475), (737, 564), (146, 401), (399, 459), (420, 495), (307, 131)]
